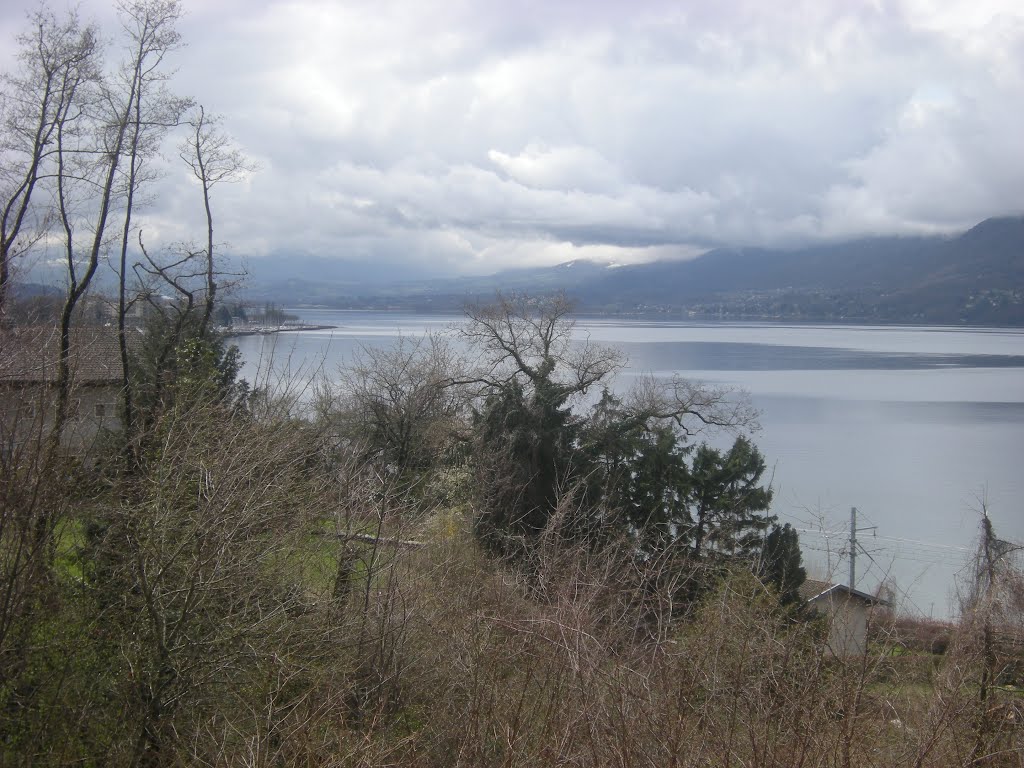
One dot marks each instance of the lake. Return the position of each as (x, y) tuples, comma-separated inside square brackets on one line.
[(913, 426)]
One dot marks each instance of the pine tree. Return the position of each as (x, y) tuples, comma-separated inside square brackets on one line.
[(726, 502), (781, 563)]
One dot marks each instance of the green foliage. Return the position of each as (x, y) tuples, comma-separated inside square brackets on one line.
[(781, 563), (526, 459), (638, 473), (175, 363), (268, 314), (726, 501), (207, 370), (212, 616), (687, 510), (622, 470)]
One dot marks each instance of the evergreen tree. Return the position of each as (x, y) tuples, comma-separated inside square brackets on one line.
[(626, 463), (525, 431), (781, 563), (726, 502), (525, 457), (638, 474)]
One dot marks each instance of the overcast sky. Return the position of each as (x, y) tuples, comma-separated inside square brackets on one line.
[(472, 136)]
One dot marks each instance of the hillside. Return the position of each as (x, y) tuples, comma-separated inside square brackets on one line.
[(976, 277)]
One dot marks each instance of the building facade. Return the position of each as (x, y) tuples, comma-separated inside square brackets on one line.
[(847, 610), (28, 387)]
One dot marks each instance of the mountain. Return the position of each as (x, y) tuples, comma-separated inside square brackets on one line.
[(29, 290), (335, 286), (975, 277)]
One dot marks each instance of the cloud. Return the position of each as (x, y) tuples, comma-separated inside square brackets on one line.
[(467, 136), (574, 168)]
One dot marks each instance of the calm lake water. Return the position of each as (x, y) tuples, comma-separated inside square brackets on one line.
[(913, 426)]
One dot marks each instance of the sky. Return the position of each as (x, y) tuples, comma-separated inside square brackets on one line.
[(418, 137)]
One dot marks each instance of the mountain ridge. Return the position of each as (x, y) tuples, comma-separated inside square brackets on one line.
[(974, 277)]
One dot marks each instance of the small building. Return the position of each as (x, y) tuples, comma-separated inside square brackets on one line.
[(28, 386), (848, 611)]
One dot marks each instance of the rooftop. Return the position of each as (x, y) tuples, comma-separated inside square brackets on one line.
[(28, 355), (812, 589)]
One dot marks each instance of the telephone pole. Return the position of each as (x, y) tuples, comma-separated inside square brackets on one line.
[(854, 545)]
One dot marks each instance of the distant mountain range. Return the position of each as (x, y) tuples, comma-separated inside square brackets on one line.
[(976, 277)]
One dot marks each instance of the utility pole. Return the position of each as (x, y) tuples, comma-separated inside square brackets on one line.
[(853, 546)]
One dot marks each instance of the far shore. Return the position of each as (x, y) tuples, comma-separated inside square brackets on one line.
[(265, 330)]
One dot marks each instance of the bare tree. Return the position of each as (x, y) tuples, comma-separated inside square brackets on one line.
[(57, 58), (178, 274), (89, 166), (45, 110), (398, 402), (993, 619), (201, 552), (691, 406), (214, 160), (528, 373), (530, 342), (527, 342), (149, 110)]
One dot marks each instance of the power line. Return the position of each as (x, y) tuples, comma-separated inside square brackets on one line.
[(844, 535), (925, 543), (897, 548)]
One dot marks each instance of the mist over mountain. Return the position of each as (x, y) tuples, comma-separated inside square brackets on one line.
[(975, 277)]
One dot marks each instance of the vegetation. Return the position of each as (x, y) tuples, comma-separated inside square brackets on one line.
[(337, 585), (445, 560)]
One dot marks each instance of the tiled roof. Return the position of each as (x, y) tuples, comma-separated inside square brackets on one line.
[(28, 355)]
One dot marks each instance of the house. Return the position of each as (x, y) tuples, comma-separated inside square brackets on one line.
[(28, 385), (848, 611)]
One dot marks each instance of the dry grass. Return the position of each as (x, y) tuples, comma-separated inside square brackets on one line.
[(482, 672), (439, 655)]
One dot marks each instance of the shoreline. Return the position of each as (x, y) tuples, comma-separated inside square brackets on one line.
[(269, 330)]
